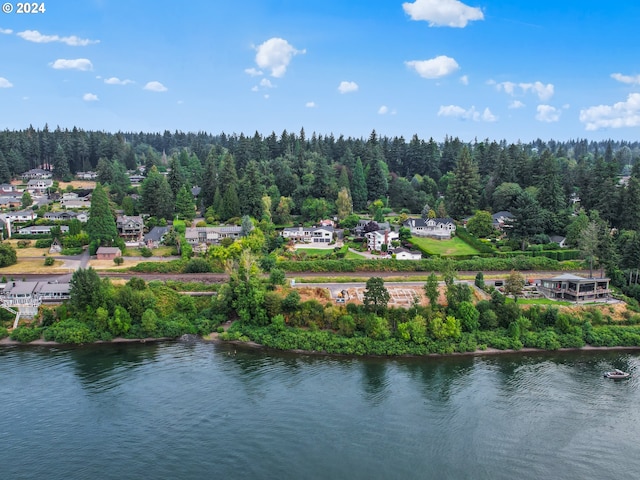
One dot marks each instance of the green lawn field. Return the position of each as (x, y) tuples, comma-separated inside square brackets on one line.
[(453, 247)]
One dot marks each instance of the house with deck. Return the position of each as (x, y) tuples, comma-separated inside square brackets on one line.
[(130, 227), (314, 235), (575, 288)]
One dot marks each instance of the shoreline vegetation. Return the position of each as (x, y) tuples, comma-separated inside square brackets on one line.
[(442, 317), (214, 338)]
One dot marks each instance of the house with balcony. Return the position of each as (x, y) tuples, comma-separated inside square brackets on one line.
[(314, 235), (575, 288), (36, 173), (130, 227)]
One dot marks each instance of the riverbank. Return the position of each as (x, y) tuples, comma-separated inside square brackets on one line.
[(214, 337), (47, 343)]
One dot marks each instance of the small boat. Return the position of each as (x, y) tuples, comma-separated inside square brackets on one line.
[(617, 374)]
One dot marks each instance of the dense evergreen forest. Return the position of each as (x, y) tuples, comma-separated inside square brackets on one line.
[(585, 190)]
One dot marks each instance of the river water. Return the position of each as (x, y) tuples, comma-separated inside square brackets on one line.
[(205, 411)]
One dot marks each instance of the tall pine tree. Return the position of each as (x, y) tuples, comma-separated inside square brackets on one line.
[(463, 191)]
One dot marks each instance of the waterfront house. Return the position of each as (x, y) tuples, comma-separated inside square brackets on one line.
[(575, 288)]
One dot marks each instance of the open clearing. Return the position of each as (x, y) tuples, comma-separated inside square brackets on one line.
[(452, 247)]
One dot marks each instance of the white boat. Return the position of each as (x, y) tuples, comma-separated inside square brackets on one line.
[(617, 374)]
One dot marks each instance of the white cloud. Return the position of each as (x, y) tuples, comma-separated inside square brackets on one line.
[(544, 92), (254, 72), (266, 83), (348, 87), (547, 113), (464, 80), (443, 13), (6, 31), (90, 97), (82, 64), (254, 88), (266, 96), (469, 114), (434, 68), (117, 81), (383, 110), (37, 37), (618, 115), (4, 83), (516, 104), (155, 87), (310, 104), (275, 54), (629, 79)]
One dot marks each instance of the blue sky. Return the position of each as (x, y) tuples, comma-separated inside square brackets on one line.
[(497, 69)]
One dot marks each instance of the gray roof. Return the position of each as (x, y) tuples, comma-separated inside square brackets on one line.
[(156, 234)]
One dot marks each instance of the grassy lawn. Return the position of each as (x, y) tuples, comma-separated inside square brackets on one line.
[(455, 246), (321, 252), (540, 301), (31, 266), (354, 256)]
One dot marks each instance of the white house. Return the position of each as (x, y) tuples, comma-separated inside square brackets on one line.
[(375, 240), (41, 230), (36, 173), (22, 216), (309, 235), (440, 228), (404, 254), (39, 186)]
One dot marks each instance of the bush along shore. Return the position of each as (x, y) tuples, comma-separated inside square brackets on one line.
[(446, 319)]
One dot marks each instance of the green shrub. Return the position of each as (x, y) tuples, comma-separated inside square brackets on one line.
[(26, 334), (49, 261), (146, 252), (197, 265), (69, 331), (43, 242)]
